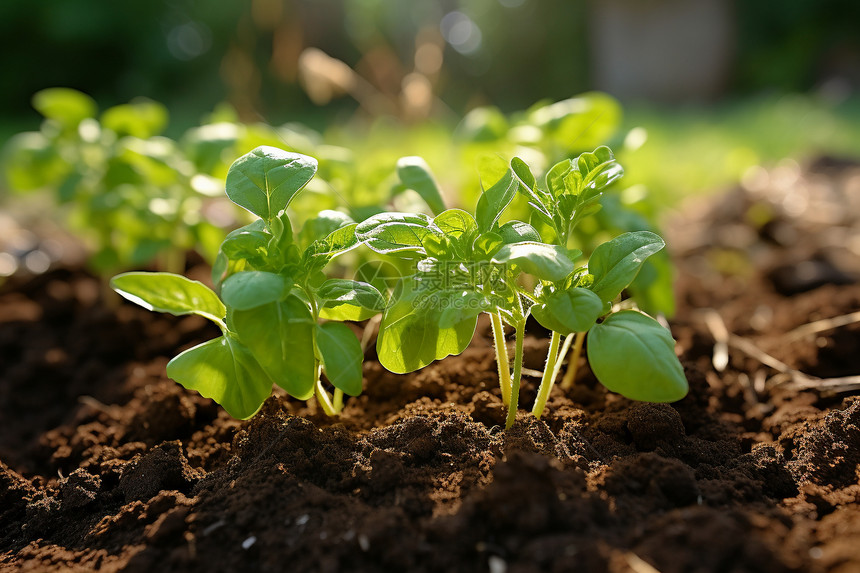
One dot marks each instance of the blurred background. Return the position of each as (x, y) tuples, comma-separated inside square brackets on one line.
[(716, 86)]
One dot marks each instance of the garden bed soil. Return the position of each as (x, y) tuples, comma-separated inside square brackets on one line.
[(109, 465)]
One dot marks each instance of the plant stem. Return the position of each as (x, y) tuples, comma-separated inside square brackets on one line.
[(325, 400), (502, 359), (323, 397), (565, 347), (515, 382), (338, 400), (548, 377), (567, 381)]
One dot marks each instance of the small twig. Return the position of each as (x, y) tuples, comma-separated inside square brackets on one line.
[(531, 373), (96, 405), (639, 565), (760, 382), (754, 351), (843, 384), (822, 325), (721, 335), (749, 390)]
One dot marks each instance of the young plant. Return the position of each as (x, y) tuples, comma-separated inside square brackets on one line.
[(629, 352), (465, 265), (273, 295), (128, 191)]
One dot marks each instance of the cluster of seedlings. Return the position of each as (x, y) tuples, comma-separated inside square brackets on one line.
[(282, 318)]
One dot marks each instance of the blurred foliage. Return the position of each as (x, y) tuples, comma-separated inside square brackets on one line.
[(192, 54), (682, 151), (125, 189), (797, 44)]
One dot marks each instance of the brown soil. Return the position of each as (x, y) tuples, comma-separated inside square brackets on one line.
[(107, 464)]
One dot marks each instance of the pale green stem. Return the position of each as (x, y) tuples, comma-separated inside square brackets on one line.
[(515, 381), (547, 379), (325, 400), (338, 400), (502, 359), (565, 347), (567, 381), (322, 395)]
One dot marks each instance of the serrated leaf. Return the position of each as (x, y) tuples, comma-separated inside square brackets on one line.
[(167, 292), (265, 180), (632, 354), (224, 370)]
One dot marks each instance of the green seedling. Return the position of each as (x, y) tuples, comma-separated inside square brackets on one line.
[(465, 265), (280, 317), (629, 352), (126, 190)]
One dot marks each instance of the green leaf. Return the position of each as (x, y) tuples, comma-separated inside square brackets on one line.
[(546, 262), (415, 174), (495, 200), (141, 118), (469, 304), (410, 335), (630, 353), (30, 161), (395, 232), (614, 264), (66, 106), (455, 223), (321, 226), (280, 335), (487, 244), (341, 356), (265, 180), (599, 168), (517, 232), (349, 300), (250, 289), (573, 310), (224, 370), (166, 292), (337, 242), (249, 242), (525, 175)]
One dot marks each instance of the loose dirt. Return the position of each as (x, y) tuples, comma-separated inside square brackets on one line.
[(106, 464)]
